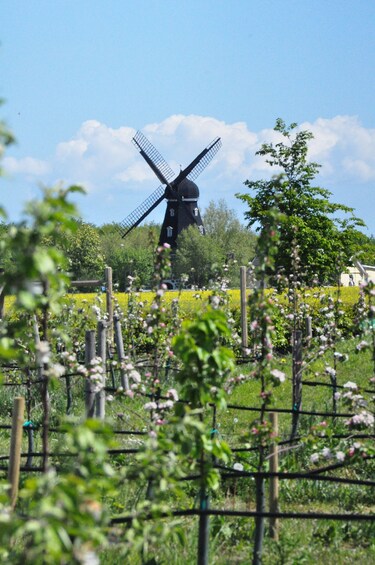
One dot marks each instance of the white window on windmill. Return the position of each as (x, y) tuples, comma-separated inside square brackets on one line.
[(171, 212), (195, 211), (201, 229), (169, 231)]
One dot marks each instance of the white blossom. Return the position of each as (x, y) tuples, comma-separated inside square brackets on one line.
[(43, 352), (330, 371), (150, 406), (351, 385), (238, 467), (278, 375), (56, 370), (326, 452), (172, 392), (360, 420)]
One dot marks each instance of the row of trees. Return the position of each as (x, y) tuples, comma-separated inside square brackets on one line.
[(198, 259)]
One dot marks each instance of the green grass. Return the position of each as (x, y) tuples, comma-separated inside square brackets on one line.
[(301, 541)]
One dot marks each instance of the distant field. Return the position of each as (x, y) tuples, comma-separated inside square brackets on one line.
[(189, 300), (192, 300)]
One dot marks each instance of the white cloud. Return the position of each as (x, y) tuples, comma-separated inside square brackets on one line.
[(104, 160), (102, 155), (344, 148), (27, 166)]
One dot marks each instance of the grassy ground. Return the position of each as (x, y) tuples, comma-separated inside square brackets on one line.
[(301, 541)]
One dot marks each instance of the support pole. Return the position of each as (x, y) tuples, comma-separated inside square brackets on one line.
[(244, 332), (297, 379), (109, 301), (15, 449), (203, 531), (2, 297), (89, 386), (274, 481), (259, 521), (30, 441), (308, 329), (120, 353), (102, 353)]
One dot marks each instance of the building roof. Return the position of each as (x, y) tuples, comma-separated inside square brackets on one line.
[(188, 189)]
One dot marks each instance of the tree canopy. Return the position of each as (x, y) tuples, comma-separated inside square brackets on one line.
[(226, 245), (325, 232), (83, 250)]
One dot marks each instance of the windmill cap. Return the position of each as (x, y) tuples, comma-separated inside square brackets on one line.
[(187, 189)]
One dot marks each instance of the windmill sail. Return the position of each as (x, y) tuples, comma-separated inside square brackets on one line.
[(200, 163), (152, 156), (181, 193), (143, 210)]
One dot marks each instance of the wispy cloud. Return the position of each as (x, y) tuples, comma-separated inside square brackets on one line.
[(29, 167)]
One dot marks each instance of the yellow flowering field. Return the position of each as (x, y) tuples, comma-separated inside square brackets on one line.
[(191, 301)]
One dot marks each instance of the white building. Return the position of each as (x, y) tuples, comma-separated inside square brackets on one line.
[(358, 274)]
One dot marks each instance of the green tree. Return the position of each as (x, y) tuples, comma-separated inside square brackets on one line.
[(226, 245), (84, 252), (197, 257), (363, 247), (222, 223), (309, 219), (133, 255)]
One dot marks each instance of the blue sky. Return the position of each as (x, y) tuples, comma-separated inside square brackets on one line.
[(79, 77)]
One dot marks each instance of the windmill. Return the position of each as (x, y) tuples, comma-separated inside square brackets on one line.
[(181, 193)]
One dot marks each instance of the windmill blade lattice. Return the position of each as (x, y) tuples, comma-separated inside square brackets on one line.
[(153, 158), (143, 210), (204, 158)]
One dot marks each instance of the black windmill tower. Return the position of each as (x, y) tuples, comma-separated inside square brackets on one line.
[(181, 193)]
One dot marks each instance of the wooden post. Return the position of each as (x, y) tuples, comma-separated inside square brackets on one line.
[(109, 293), (308, 329), (44, 379), (15, 448), (297, 379), (120, 352), (244, 334), (259, 520), (102, 352), (274, 481), (2, 297), (89, 387)]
